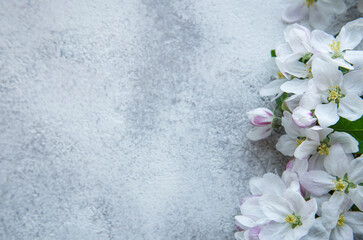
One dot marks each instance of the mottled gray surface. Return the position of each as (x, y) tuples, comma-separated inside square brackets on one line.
[(126, 119)]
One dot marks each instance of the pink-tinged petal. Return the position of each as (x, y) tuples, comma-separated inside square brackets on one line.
[(286, 145), (317, 182), (356, 170), (340, 233), (272, 88), (351, 34), (336, 162), (355, 221), (302, 117), (351, 107), (305, 149), (296, 86), (260, 117), (274, 231), (253, 233), (327, 114), (353, 82), (318, 18), (259, 133), (275, 207), (349, 143), (320, 41), (295, 12), (356, 194), (244, 222)]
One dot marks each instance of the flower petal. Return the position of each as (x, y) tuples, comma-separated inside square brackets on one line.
[(318, 18), (355, 221), (343, 232), (326, 74), (336, 163), (275, 207), (351, 107), (317, 231), (317, 182), (349, 143), (327, 114), (356, 194), (259, 133), (286, 145), (274, 231), (320, 41), (272, 88), (295, 12), (269, 184), (296, 86), (351, 34), (305, 149), (353, 82)]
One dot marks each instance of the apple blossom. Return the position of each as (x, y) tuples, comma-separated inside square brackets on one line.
[(320, 11), (262, 119)]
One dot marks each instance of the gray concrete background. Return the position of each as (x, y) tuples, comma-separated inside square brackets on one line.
[(126, 119)]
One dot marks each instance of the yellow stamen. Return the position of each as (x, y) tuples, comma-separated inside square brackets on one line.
[(335, 46), (291, 219), (309, 73), (335, 95), (310, 3), (341, 221), (280, 75), (323, 149), (300, 141), (340, 185)]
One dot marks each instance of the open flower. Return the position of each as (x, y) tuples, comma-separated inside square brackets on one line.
[(320, 11), (342, 175), (337, 48), (332, 97), (262, 119)]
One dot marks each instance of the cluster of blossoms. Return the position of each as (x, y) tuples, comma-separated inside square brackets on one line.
[(318, 92)]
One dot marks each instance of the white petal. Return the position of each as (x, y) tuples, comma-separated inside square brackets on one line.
[(286, 145), (296, 86), (342, 233), (244, 222), (299, 38), (274, 231), (292, 102), (259, 133), (251, 208), (295, 12), (272, 88), (305, 149), (351, 34), (317, 231), (320, 41), (343, 63), (355, 221), (349, 143), (318, 19), (327, 114), (356, 170), (317, 182), (331, 209), (302, 117), (283, 49), (353, 82), (316, 162), (290, 64), (275, 207), (291, 128), (269, 184), (311, 98), (355, 57), (253, 233), (351, 107), (356, 194), (239, 236), (333, 6), (336, 163), (326, 74)]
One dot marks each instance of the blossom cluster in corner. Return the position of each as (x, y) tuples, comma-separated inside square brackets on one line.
[(318, 93)]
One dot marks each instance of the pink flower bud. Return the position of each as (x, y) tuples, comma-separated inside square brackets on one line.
[(260, 117), (302, 117)]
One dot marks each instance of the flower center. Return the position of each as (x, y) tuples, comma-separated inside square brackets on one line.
[(300, 140), (280, 75), (293, 220), (335, 47), (343, 185), (323, 149), (310, 3), (308, 71), (335, 94), (341, 221)]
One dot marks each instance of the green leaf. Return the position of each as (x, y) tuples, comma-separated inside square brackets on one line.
[(273, 53), (344, 70), (353, 128), (280, 101)]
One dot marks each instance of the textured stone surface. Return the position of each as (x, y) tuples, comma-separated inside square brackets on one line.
[(126, 119)]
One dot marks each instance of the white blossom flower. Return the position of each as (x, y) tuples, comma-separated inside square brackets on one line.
[(342, 175), (262, 119), (338, 221), (332, 97), (302, 117), (320, 11), (291, 216), (337, 48)]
